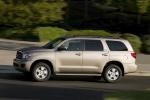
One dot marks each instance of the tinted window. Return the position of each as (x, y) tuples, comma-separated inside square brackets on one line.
[(116, 46), (93, 45), (73, 45)]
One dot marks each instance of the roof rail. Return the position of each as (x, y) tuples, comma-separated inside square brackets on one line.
[(90, 36)]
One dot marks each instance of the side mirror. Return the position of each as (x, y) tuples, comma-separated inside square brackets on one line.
[(61, 49)]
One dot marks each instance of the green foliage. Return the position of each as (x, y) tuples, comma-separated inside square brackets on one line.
[(143, 5), (20, 34), (129, 95), (2, 9), (116, 35), (22, 16), (49, 33), (146, 44), (21, 13), (134, 6), (134, 40), (46, 13), (90, 32)]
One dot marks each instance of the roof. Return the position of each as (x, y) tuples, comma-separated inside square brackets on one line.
[(89, 36)]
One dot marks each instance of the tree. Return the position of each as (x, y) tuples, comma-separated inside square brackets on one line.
[(2, 9), (27, 13), (46, 13)]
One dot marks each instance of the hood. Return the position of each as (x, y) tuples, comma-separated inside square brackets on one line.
[(34, 49)]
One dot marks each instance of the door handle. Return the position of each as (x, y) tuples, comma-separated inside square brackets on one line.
[(105, 54), (78, 54)]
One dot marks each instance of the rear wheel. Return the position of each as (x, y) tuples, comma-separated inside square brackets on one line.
[(41, 72), (112, 73)]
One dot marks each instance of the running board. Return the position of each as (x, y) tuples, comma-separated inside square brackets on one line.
[(78, 74)]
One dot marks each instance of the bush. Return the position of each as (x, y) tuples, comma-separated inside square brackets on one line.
[(146, 44), (89, 32), (115, 35), (17, 33), (43, 34), (134, 40), (49, 33)]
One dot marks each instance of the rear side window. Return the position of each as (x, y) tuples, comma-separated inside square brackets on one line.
[(93, 45), (116, 46)]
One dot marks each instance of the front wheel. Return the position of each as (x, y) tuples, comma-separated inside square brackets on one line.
[(41, 72), (112, 73)]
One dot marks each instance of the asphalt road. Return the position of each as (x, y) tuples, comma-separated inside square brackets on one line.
[(18, 87), (15, 86)]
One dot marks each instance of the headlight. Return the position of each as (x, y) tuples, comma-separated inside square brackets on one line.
[(26, 56)]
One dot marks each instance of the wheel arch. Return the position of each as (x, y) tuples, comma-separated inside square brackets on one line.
[(44, 61), (119, 64)]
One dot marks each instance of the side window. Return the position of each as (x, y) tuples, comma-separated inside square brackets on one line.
[(72, 45), (116, 46), (93, 45)]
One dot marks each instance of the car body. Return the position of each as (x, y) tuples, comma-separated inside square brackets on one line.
[(78, 55)]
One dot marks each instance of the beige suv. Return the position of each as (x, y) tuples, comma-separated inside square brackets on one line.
[(78, 55)]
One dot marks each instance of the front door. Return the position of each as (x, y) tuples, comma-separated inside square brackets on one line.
[(69, 60)]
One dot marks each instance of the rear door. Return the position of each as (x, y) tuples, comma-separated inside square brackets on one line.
[(94, 56)]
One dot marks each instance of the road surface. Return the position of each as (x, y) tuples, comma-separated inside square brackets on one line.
[(18, 87), (15, 86)]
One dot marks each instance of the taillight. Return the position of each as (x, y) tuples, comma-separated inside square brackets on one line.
[(133, 55)]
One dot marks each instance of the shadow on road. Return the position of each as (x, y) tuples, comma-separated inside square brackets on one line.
[(17, 86), (21, 77), (8, 72), (30, 92), (77, 78)]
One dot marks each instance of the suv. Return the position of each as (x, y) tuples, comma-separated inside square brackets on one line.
[(95, 56)]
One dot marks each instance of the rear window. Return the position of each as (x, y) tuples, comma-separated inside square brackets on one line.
[(116, 46), (93, 45)]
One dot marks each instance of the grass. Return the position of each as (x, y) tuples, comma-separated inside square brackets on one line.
[(44, 34), (129, 95), (50, 33)]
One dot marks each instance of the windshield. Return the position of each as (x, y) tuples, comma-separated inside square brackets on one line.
[(53, 43)]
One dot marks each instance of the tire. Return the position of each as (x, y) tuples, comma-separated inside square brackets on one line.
[(112, 73), (41, 72)]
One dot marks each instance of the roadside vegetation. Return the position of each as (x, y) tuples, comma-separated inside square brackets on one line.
[(146, 44), (44, 20), (129, 95), (134, 40), (43, 34)]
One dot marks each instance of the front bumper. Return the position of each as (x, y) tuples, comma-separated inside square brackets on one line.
[(23, 66)]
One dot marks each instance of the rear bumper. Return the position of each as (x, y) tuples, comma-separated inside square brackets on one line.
[(23, 66), (130, 68)]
